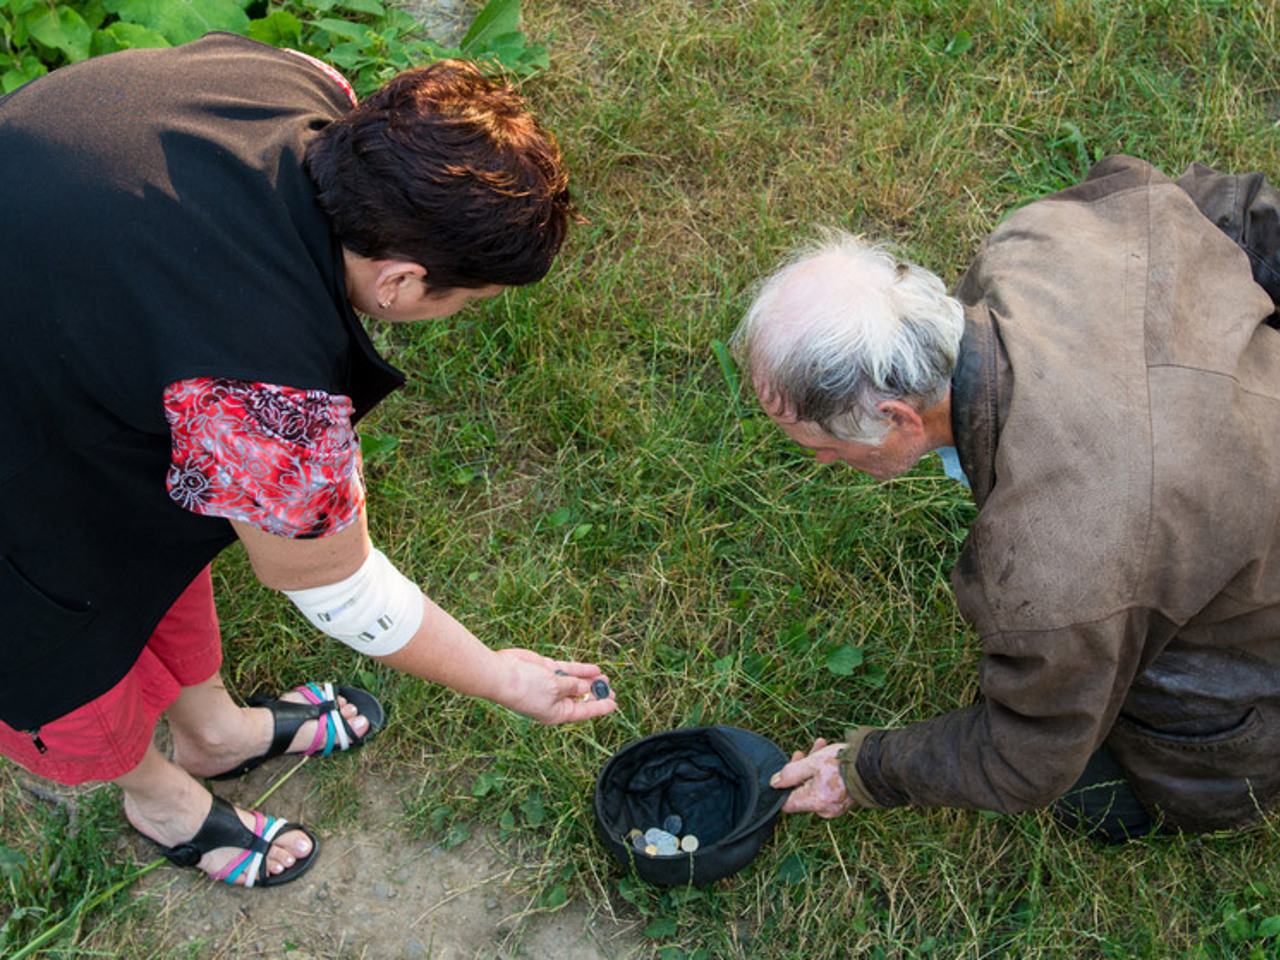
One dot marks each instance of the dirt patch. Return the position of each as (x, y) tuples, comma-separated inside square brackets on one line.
[(375, 895)]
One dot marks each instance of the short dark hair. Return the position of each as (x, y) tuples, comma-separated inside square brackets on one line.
[(447, 169)]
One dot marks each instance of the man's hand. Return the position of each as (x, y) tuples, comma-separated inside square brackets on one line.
[(551, 691), (819, 788)]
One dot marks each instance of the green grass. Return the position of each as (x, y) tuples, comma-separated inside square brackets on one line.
[(572, 471)]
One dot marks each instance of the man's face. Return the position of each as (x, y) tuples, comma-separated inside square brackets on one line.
[(893, 456)]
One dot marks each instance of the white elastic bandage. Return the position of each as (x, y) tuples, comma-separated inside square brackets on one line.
[(376, 610)]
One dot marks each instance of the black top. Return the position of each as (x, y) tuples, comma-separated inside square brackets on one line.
[(159, 225)]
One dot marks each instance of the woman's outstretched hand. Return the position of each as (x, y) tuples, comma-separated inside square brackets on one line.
[(554, 691)]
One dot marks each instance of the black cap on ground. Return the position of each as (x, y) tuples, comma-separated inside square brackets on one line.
[(715, 778)]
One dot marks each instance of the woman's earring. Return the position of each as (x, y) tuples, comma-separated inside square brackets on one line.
[(384, 304)]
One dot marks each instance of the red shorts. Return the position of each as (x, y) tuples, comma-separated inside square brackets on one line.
[(108, 737)]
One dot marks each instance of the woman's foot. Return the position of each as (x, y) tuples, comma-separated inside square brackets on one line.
[(168, 807), (233, 742)]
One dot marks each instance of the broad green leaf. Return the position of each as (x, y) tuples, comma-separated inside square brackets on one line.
[(485, 783), (660, 927), (498, 17), (458, 833), (507, 823), (28, 69), (279, 28), (11, 862), (519, 60), (793, 869), (347, 56), (134, 35), (555, 896), (421, 52), (559, 517), (1269, 927), (62, 29), (17, 8), (344, 28), (103, 43), (374, 446), (363, 6), (534, 812), (94, 13), (636, 892), (179, 21), (506, 48), (844, 660), (960, 43), (1237, 926)]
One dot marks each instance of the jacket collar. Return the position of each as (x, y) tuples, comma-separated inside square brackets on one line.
[(979, 399)]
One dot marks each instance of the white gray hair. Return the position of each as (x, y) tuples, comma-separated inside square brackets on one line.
[(843, 326)]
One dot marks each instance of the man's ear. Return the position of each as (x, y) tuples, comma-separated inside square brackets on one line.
[(902, 416)]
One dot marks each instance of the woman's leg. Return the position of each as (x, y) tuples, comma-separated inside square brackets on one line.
[(211, 733), (165, 804)]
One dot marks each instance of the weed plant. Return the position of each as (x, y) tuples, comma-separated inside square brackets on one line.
[(575, 469)]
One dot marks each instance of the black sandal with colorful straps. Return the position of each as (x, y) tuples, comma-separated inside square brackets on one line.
[(224, 828), (334, 734)]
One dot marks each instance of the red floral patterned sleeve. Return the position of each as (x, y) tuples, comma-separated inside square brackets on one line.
[(286, 461)]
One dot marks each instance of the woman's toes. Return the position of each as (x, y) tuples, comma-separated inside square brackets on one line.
[(286, 850), (300, 845)]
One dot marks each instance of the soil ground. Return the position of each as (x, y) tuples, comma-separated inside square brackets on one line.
[(373, 894)]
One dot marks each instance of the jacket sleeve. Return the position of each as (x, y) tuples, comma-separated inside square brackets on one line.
[(1246, 207), (1049, 698)]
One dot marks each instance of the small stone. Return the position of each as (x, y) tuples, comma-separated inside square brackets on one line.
[(668, 847), (673, 824), (638, 841), (651, 850), (600, 689), (491, 903), (652, 835), (688, 843), (348, 943)]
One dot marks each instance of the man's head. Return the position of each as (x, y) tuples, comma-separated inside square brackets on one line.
[(445, 168), (851, 352)]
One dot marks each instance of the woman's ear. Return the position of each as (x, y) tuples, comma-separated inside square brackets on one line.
[(399, 277)]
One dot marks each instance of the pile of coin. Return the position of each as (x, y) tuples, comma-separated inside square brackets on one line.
[(664, 841)]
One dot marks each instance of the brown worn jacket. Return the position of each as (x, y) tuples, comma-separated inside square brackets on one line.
[(1117, 409)]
